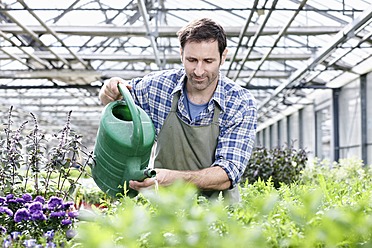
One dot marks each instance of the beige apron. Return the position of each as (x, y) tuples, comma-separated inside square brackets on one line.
[(184, 147)]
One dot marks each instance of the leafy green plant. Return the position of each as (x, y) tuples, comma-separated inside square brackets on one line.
[(90, 196), (173, 217), (321, 205), (283, 165), (317, 212), (26, 165), (11, 158)]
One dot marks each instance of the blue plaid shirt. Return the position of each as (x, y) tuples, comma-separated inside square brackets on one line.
[(154, 94)]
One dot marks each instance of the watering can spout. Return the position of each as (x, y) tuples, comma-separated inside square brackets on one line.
[(123, 146), (143, 174), (149, 172)]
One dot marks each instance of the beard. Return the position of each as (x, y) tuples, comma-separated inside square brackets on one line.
[(202, 83)]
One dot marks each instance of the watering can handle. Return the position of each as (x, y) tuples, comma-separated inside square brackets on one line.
[(137, 137)]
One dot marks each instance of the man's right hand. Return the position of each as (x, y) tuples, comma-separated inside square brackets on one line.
[(110, 92)]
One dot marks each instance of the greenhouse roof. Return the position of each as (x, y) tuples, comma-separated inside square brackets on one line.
[(55, 55)]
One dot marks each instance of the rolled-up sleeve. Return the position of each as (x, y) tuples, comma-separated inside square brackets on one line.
[(236, 140)]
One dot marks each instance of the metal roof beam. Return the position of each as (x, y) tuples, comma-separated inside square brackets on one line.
[(28, 31), (125, 74), (241, 36), (145, 17), (339, 38), (169, 31), (255, 39), (15, 57), (41, 62), (170, 58), (54, 74), (277, 39), (54, 34), (324, 13)]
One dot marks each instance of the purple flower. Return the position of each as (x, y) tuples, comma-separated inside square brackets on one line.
[(70, 233), (2, 200), (49, 235), (20, 200), (7, 243), (73, 214), (35, 206), (10, 196), (50, 245), (27, 197), (66, 222), (54, 202), (57, 214), (14, 235), (6, 210), (10, 201), (67, 205), (30, 243), (21, 214), (38, 215), (40, 199), (2, 230)]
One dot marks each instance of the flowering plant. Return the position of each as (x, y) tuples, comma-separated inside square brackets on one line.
[(27, 218), (26, 163), (51, 172)]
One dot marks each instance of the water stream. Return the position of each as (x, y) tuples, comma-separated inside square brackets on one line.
[(156, 185)]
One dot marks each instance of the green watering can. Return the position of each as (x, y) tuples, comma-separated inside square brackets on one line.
[(123, 146)]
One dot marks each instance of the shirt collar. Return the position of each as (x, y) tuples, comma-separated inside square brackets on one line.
[(180, 82), (218, 96)]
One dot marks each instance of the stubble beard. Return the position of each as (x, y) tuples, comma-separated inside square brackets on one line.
[(202, 85)]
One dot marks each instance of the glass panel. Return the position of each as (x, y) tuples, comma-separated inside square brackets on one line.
[(323, 133)]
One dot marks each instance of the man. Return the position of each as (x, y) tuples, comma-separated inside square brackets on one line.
[(205, 123)]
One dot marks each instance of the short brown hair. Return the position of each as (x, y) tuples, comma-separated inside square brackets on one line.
[(204, 29)]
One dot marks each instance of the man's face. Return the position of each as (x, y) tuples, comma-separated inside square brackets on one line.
[(202, 62)]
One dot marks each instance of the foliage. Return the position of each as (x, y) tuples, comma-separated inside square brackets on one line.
[(34, 166), (280, 164), (23, 219), (91, 196), (171, 218), (27, 165), (321, 205), (316, 211), (325, 208)]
